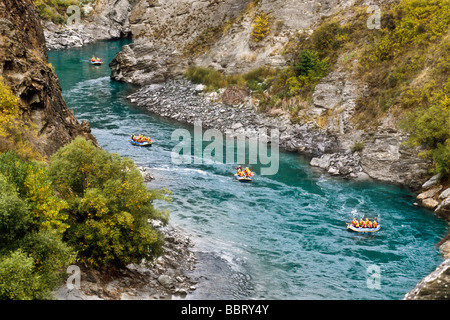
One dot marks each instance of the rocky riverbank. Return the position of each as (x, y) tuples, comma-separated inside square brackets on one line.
[(435, 196), (161, 279), (435, 286), (186, 102), (383, 157)]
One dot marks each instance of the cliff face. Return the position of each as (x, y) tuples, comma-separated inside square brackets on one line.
[(168, 33), (102, 20), (24, 68), (162, 32)]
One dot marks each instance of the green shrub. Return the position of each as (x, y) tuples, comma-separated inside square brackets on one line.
[(311, 67), (441, 157), (214, 79), (301, 78), (15, 170), (14, 133), (430, 127), (31, 247), (50, 254), (54, 10), (18, 279), (358, 146), (108, 205), (102, 214), (31, 181), (328, 38), (405, 64), (14, 216), (211, 78)]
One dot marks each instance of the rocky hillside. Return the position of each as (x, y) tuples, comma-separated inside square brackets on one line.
[(170, 35), (236, 37), (24, 69)]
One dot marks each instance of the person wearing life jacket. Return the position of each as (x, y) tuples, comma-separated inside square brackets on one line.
[(93, 59), (361, 223), (247, 172), (98, 59), (355, 223), (375, 223), (369, 223), (239, 172)]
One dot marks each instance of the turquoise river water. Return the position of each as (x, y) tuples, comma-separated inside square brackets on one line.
[(279, 237)]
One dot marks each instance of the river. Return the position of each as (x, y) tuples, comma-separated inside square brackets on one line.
[(279, 237)]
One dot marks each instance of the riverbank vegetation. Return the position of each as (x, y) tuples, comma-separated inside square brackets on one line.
[(84, 206)]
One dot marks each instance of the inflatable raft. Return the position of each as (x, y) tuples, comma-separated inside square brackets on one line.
[(350, 227), (141, 144), (243, 178), (96, 63)]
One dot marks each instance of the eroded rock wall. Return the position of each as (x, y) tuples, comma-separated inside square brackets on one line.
[(161, 31), (165, 30), (24, 67)]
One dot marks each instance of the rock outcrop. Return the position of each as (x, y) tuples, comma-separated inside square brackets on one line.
[(168, 34), (160, 279), (23, 66), (162, 32), (382, 154), (435, 286), (436, 197), (102, 20)]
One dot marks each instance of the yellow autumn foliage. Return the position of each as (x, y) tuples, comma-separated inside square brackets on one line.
[(261, 27), (14, 133)]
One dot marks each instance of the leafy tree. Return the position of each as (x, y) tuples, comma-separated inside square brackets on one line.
[(328, 38), (50, 255), (108, 205), (32, 183), (441, 156), (14, 216), (18, 279), (32, 252), (430, 127)]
